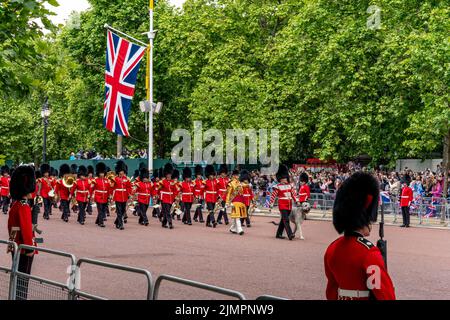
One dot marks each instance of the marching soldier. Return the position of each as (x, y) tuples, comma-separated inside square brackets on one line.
[(199, 193), (63, 192), (45, 190), (53, 179), (304, 192), (405, 200), (211, 195), (82, 191), (187, 195), (90, 178), (235, 199), (247, 193), (33, 202), (223, 181), (167, 189), (143, 190), (354, 267), (74, 171), (176, 191), (121, 192), (4, 188), (285, 193), (156, 212), (101, 191)]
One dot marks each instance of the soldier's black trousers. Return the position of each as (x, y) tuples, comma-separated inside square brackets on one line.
[(198, 211), (210, 207), (65, 209), (142, 212), (81, 211), (5, 204), (246, 220), (405, 214), (187, 212), (166, 214), (284, 223), (89, 208), (120, 211), (223, 213), (101, 213), (25, 263), (47, 207)]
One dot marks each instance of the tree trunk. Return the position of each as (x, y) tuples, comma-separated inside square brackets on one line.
[(119, 145), (446, 167)]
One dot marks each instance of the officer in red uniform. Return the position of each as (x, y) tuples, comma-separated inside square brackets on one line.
[(90, 178), (405, 200), (285, 193), (222, 183), (53, 180), (304, 192), (166, 188), (211, 194), (45, 186), (187, 195), (143, 191), (64, 193), (121, 193), (20, 228), (4, 188), (354, 267), (101, 191), (82, 192), (199, 193), (247, 195)]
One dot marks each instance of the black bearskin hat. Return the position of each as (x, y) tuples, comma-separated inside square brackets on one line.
[(244, 176), (45, 168), (304, 177), (209, 170), (73, 169), (161, 173), (144, 173), (121, 166), (82, 171), (4, 169), (38, 174), (235, 172), (356, 203), (100, 168), (223, 168), (168, 169), (136, 173), (53, 172), (175, 174), (406, 179), (142, 165), (23, 182), (198, 170), (187, 173), (90, 169), (64, 169), (282, 173)]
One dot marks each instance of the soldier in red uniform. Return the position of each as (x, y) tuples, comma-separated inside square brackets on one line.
[(211, 194), (53, 180), (199, 193), (143, 191), (90, 178), (285, 193), (63, 192), (121, 193), (304, 192), (101, 191), (247, 195), (187, 195), (354, 267), (4, 188), (20, 228), (167, 187), (45, 186), (176, 192), (82, 192), (222, 183), (156, 211), (405, 200)]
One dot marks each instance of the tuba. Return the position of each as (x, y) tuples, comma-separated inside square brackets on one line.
[(111, 176), (69, 180)]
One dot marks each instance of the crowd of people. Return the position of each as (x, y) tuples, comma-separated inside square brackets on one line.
[(94, 155)]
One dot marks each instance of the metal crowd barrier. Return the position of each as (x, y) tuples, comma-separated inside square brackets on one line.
[(269, 297), (6, 273), (195, 284)]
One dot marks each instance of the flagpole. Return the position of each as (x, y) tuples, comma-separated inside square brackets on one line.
[(151, 36)]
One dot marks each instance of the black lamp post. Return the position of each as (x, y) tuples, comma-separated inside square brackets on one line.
[(45, 114)]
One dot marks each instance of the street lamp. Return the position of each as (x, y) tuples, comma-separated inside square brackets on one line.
[(45, 114)]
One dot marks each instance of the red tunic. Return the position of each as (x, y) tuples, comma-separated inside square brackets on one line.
[(187, 191), (285, 193), (199, 188), (211, 189), (167, 190), (352, 264), (82, 190), (62, 191), (247, 194), (304, 193), (20, 216), (4, 186), (101, 190), (122, 189), (222, 184), (144, 191), (46, 187), (34, 194), (406, 197)]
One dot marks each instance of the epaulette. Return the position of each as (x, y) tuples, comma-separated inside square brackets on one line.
[(365, 242)]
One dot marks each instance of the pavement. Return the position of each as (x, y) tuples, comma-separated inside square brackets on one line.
[(254, 264)]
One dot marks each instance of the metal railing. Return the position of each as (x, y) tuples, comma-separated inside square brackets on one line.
[(6, 273), (269, 297)]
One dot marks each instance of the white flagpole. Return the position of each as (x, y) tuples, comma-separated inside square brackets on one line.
[(151, 36)]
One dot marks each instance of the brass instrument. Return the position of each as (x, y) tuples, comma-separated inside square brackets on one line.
[(218, 205), (111, 176), (175, 208), (38, 200), (69, 180)]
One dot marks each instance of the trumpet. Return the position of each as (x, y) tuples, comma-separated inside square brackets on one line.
[(175, 208), (69, 180), (111, 176)]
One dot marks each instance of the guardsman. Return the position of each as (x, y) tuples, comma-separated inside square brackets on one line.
[(53, 180), (247, 193), (235, 199), (304, 193), (4, 188), (101, 191), (285, 193), (143, 190), (176, 192), (20, 227), (121, 193), (33, 202), (187, 195), (134, 180), (82, 192), (63, 192), (405, 200), (166, 188), (156, 211), (354, 267), (90, 178), (45, 187), (199, 193), (223, 181), (211, 194)]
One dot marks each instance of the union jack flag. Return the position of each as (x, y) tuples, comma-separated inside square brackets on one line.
[(122, 65)]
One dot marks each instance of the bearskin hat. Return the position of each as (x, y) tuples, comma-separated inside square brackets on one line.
[(406, 179), (82, 171), (168, 169), (304, 177), (4, 169), (144, 173), (136, 173), (53, 172), (175, 174), (187, 173), (23, 182), (64, 169), (235, 172), (38, 174), (142, 165), (223, 168), (45, 168), (161, 173), (209, 170), (121, 166), (198, 170), (244, 175), (282, 173), (356, 203), (90, 169), (100, 168)]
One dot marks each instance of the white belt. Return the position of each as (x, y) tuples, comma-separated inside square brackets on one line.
[(120, 190), (246, 195), (222, 189), (82, 191), (102, 191), (303, 194), (165, 192), (4, 187), (211, 191), (188, 193), (143, 194), (353, 293), (404, 197), (285, 198)]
